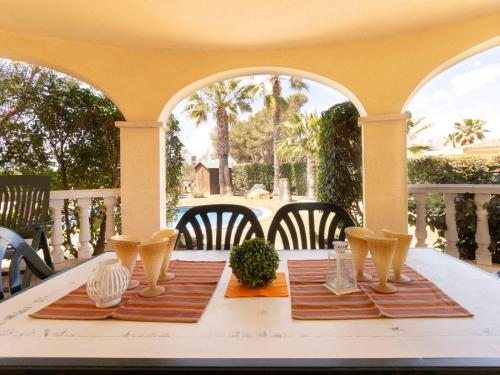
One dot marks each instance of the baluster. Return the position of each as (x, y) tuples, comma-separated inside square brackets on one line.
[(451, 233), (85, 250), (57, 239), (421, 223), (483, 255), (109, 203)]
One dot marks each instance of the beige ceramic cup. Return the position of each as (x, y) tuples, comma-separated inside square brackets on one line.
[(359, 249), (152, 255), (402, 247), (382, 250), (127, 248), (169, 235)]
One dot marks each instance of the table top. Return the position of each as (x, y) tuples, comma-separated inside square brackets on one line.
[(245, 328)]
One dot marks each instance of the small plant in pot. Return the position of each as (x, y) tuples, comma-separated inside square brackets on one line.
[(254, 262)]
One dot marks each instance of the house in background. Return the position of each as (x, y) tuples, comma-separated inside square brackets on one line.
[(487, 146), (207, 176)]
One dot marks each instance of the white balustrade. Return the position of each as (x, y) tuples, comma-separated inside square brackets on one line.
[(483, 255), (57, 239), (85, 249), (451, 234), (83, 200), (109, 203), (482, 194), (421, 224)]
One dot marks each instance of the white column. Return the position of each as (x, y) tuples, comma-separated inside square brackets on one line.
[(85, 250), (109, 203), (483, 254), (451, 233), (385, 190), (142, 171), (57, 239), (421, 222)]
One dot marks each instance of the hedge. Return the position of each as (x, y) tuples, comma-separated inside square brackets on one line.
[(244, 176), (458, 169)]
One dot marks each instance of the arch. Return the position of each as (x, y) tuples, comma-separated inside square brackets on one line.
[(60, 69), (491, 43), (241, 72)]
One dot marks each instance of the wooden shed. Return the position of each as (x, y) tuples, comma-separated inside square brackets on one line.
[(207, 176)]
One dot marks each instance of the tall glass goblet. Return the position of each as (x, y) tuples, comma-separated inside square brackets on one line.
[(152, 255), (127, 248), (382, 250), (402, 247), (359, 248), (169, 235)]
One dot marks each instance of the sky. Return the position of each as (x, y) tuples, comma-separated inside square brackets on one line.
[(470, 89)]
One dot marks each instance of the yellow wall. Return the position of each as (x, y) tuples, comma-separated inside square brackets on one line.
[(382, 73)]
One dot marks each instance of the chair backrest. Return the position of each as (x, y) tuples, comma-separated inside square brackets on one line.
[(233, 224), (24, 201), (326, 223), (21, 251)]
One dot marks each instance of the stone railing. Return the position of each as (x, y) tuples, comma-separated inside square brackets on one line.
[(482, 195), (83, 201)]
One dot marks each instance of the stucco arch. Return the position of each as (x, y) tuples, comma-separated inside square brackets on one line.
[(477, 49), (60, 68), (241, 72)]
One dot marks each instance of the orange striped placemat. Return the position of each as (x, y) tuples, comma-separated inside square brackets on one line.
[(184, 299), (418, 299)]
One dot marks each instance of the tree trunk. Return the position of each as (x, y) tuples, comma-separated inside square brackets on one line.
[(223, 152), (67, 221), (276, 133), (311, 176)]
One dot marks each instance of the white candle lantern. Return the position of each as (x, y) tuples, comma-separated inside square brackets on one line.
[(340, 275)]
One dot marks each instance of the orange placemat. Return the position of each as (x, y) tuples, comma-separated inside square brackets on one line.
[(277, 289), (184, 300), (418, 299)]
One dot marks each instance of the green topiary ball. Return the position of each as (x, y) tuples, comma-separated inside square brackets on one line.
[(254, 262)]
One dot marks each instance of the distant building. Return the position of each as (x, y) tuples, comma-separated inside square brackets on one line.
[(207, 176), (488, 146)]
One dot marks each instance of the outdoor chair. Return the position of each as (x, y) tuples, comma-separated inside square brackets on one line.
[(238, 223), (24, 208), (20, 278), (289, 225)]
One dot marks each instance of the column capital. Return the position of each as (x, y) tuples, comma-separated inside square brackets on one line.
[(139, 124), (384, 118)]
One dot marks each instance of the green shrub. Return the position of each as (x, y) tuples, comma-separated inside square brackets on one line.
[(244, 176), (254, 262), (459, 169), (339, 159), (195, 193)]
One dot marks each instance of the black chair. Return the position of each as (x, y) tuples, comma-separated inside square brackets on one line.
[(242, 225), (19, 278), (289, 223), (24, 208)]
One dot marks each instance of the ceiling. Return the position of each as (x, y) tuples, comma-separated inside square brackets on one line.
[(229, 24)]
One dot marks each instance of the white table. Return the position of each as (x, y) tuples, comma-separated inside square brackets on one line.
[(235, 332)]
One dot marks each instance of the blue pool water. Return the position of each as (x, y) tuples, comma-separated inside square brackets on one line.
[(212, 216)]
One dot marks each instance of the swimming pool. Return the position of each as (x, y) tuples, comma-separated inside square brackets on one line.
[(179, 211)]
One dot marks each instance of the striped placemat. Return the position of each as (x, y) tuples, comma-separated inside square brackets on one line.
[(184, 300), (418, 299)]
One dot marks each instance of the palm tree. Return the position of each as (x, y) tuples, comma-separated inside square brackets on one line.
[(467, 132), (277, 104), (301, 141), (413, 129), (224, 101)]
